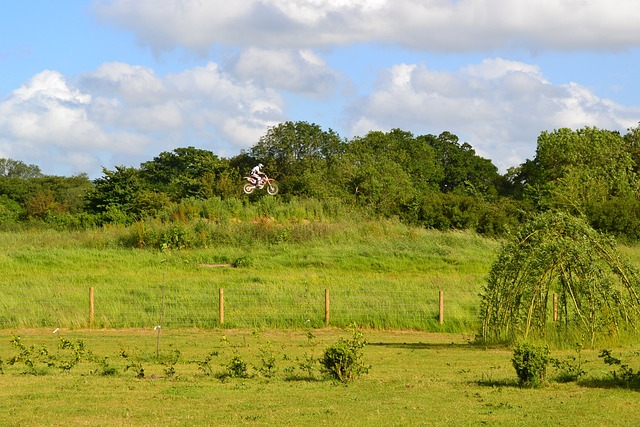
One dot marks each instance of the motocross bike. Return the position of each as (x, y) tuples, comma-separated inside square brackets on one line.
[(269, 184)]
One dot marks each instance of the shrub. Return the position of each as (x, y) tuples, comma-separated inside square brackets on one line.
[(237, 368), (342, 361), (530, 363), (623, 374)]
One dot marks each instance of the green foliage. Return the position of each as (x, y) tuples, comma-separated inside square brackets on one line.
[(184, 173), (117, 190), (268, 367), (236, 368), (557, 253), (530, 362), (17, 169), (569, 369), (77, 350), (298, 154), (34, 359), (204, 365), (623, 374), (343, 360), (464, 171), (575, 171), (132, 364), (104, 368)]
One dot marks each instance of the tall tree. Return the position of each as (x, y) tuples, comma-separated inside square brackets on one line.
[(118, 189), (464, 170), (579, 168), (10, 168), (299, 155), (184, 172)]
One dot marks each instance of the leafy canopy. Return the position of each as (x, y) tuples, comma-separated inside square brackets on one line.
[(558, 253)]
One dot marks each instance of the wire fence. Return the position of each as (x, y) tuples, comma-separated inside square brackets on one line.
[(242, 307)]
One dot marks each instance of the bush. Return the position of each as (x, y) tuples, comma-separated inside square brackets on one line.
[(530, 363), (342, 361)]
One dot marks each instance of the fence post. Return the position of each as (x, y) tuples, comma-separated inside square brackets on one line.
[(326, 307), (555, 308), (91, 307), (221, 305), (441, 310)]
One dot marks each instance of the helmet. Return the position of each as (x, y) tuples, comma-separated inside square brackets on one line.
[(260, 165)]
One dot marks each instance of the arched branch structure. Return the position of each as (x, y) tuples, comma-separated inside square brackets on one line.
[(558, 253)]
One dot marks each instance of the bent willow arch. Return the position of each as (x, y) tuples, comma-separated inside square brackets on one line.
[(559, 254)]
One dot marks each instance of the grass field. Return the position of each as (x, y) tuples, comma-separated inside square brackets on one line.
[(383, 276), (415, 378)]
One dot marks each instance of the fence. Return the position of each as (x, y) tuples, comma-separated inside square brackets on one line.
[(248, 307)]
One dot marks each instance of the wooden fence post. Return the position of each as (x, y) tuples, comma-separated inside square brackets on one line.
[(555, 308), (441, 311), (91, 307), (326, 307), (221, 306)]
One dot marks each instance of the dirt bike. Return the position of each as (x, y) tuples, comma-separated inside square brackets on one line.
[(269, 183)]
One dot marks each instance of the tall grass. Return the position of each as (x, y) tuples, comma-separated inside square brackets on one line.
[(275, 271)]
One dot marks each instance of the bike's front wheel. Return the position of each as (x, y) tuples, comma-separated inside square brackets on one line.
[(272, 188), (248, 188)]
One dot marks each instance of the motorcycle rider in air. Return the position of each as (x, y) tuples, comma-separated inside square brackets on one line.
[(257, 174)]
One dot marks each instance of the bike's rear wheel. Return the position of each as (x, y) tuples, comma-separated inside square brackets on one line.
[(272, 188), (248, 188)]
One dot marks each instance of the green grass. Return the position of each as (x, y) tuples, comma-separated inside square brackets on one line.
[(379, 274), (416, 378), (382, 275)]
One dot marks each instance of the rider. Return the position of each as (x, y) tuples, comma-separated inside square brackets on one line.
[(258, 175)]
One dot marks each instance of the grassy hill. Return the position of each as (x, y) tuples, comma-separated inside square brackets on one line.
[(379, 274)]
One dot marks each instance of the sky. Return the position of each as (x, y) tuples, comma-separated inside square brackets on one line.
[(92, 84)]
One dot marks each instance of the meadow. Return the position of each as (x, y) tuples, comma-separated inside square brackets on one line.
[(379, 275), (157, 353), (415, 378)]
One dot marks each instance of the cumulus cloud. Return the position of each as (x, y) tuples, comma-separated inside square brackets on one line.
[(298, 71), (428, 25), (498, 106), (124, 114)]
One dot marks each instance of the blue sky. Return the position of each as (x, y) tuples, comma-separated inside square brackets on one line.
[(88, 84)]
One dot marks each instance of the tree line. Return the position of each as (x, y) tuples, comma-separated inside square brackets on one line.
[(432, 181)]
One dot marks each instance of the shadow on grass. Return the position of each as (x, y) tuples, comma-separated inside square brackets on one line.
[(303, 378), (487, 382), (609, 383), (603, 383), (426, 346)]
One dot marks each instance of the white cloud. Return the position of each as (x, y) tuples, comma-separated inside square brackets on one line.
[(429, 25), (498, 106), (299, 71), (124, 113)]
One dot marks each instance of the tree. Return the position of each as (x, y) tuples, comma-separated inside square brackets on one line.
[(17, 169), (558, 253), (387, 171), (575, 169), (299, 154), (464, 170), (117, 190), (185, 172)]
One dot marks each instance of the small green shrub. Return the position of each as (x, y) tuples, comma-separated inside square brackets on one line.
[(569, 369), (31, 357), (308, 364), (204, 365), (530, 362), (268, 367), (624, 374), (237, 368), (342, 361)]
